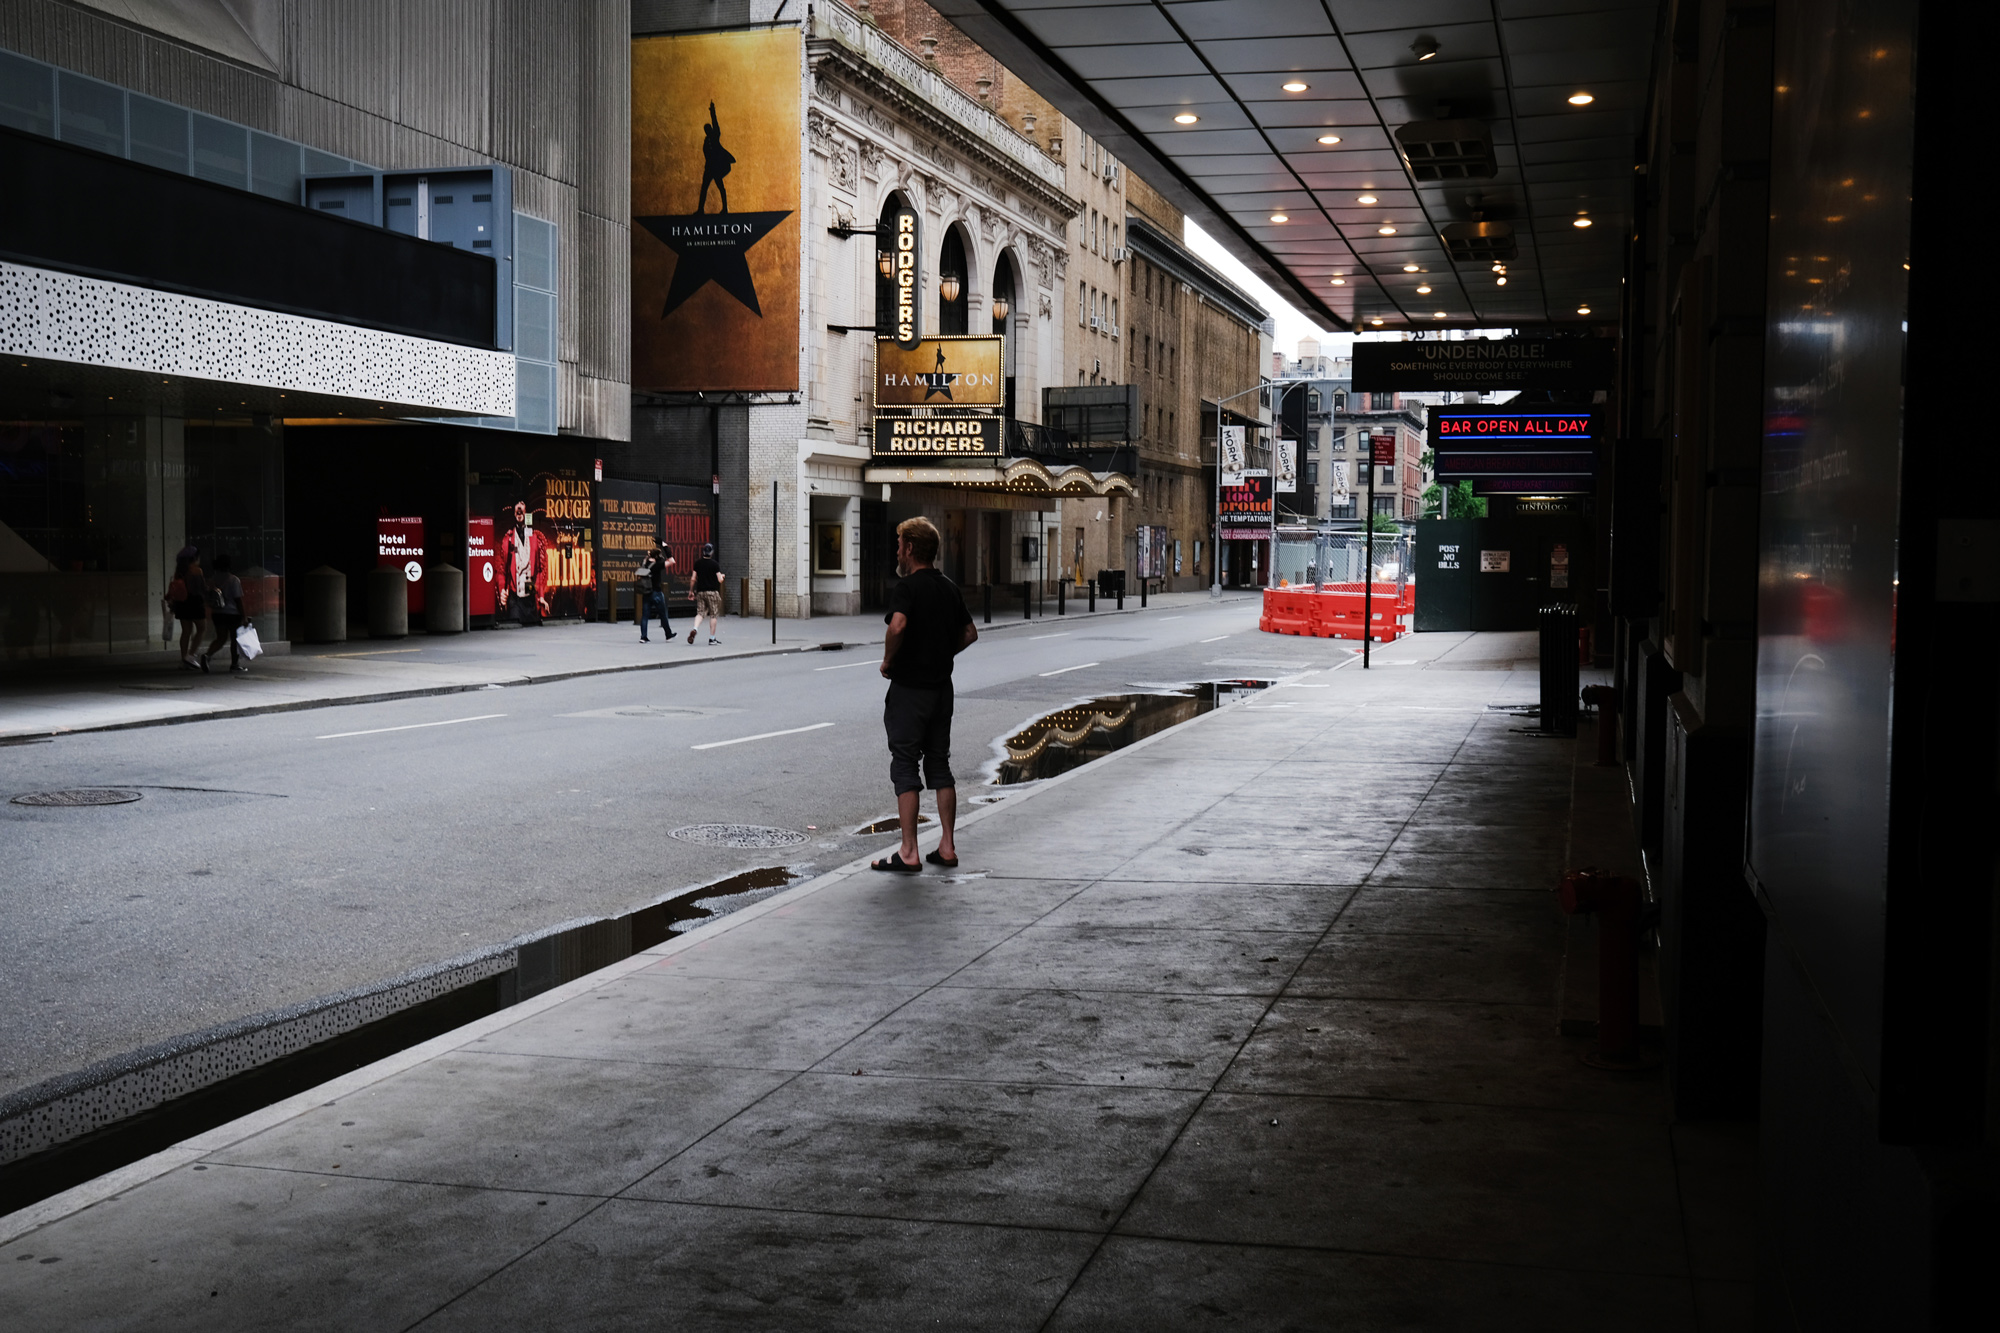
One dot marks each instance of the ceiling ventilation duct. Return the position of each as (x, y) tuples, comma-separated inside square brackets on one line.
[(1479, 242), (1447, 150)]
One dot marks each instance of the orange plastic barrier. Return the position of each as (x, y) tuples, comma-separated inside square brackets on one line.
[(1337, 613)]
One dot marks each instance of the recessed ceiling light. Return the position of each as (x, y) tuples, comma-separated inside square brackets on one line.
[(1502, 282), (1329, 138), (1583, 310), (1499, 268), (1424, 47), (1423, 289), (1581, 99), (1437, 314), (1294, 86), (1340, 282), (1280, 217), (1581, 222), (1411, 268), (1365, 199), (1374, 321), (1186, 118), (1386, 231)]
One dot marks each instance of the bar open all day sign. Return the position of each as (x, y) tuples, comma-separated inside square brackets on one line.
[(1540, 450)]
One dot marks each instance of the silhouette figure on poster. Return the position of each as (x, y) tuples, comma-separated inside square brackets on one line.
[(716, 162), (940, 381)]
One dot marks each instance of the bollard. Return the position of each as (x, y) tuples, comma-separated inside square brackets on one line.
[(1604, 698), (388, 603), (1062, 597), (986, 593), (743, 598), (1093, 594), (1616, 900), (1142, 593), (1027, 601), (444, 603), (326, 606), (770, 599), (1558, 669), (1119, 593)]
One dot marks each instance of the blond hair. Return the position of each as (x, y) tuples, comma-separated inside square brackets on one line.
[(922, 536)]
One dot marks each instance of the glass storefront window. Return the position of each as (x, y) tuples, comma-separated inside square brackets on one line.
[(93, 510)]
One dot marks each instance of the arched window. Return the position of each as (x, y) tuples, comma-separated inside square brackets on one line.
[(953, 315)]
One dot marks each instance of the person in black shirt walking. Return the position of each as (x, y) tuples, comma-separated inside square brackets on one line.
[(706, 585), (928, 628), (652, 575)]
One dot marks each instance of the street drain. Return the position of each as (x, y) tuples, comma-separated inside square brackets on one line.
[(78, 796), (1074, 736), (888, 826), (737, 835)]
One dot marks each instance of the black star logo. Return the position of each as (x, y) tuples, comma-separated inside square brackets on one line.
[(713, 247), (939, 380)]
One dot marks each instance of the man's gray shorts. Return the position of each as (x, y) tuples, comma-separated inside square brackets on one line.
[(919, 726)]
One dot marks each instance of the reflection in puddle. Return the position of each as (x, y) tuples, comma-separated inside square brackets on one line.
[(888, 826), (1072, 737)]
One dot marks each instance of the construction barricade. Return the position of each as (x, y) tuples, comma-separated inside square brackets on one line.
[(1337, 613)]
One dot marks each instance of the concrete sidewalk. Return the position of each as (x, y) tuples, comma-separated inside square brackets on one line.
[(102, 693), (1252, 1024)]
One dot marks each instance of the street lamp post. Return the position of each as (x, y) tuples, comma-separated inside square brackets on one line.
[(1215, 553)]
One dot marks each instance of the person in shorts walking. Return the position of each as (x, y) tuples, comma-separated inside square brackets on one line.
[(706, 585), (928, 628)]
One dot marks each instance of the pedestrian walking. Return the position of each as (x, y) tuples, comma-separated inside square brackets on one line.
[(705, 583), (187, 598), (652, 576), (928, 628), (225, 611)]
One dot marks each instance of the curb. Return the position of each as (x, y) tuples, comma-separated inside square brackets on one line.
[(436, 691)]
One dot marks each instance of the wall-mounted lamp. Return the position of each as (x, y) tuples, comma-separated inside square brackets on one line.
[(949, 288), (1000, 308), (885, 262)]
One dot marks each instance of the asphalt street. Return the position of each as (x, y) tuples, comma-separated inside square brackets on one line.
[(280, 858)]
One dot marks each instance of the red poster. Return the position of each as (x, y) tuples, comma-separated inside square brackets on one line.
[(1382, 450), (480, 567), (400, 542)]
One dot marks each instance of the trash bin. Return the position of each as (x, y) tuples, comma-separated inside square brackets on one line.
[(1559, 669)]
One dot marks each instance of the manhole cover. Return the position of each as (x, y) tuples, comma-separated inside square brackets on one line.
[(738, 835), (79, 796), (659, 710)]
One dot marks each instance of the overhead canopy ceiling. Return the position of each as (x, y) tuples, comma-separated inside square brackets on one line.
[(1124, 69)]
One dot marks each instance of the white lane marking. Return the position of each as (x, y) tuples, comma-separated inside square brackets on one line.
[(374, 652), (1164, 619), (1217, 639), (1063, 670), (1039, 637), (761, 736), (844, 665), (377, 731)]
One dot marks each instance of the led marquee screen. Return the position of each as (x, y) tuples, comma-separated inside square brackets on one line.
[(1535, 449)]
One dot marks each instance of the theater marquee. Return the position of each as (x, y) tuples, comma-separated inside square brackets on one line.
[(944, 435), (716, 161), (951, 372)]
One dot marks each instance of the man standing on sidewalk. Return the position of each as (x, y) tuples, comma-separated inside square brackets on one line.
[(928, 628)]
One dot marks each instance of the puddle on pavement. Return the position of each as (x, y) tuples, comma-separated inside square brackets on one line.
[(888, 826), (1072, 737)]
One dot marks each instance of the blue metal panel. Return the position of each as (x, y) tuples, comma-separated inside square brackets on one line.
[(27, 95), (354, 195), (159, 133), (221, 152), (90, 114)]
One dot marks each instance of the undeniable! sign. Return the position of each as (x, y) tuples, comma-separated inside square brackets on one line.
[(937, 437), (1485, 363)]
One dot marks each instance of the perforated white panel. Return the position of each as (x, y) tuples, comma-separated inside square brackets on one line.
[(62, 317)]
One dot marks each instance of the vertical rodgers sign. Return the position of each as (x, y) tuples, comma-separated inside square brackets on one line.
[(716, 162)]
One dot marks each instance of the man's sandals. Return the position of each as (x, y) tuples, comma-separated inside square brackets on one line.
[(895, 864)]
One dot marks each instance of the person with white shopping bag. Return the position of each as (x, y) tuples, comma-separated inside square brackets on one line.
[(225, 610)]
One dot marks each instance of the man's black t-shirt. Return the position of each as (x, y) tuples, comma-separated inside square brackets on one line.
[(707, 575), (657, 572), (937, 618)]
